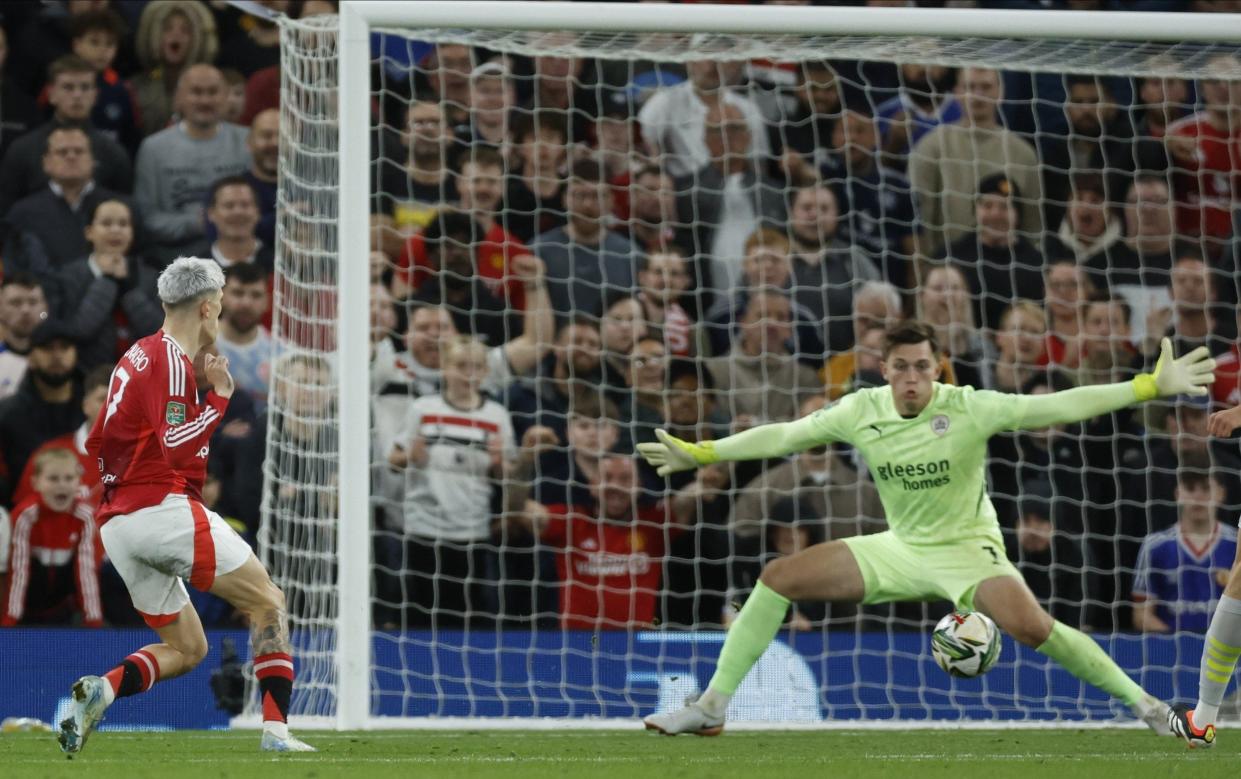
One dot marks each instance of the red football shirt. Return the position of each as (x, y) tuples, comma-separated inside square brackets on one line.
[(47, 544), (1226, 391), (609, 569), (1204, 186), (152, 438), (492, 256)]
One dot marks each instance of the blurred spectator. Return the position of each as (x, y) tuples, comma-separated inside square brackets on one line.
[(566, 472), (572, 368), (107, 299), (802, 137), (556, 83), (47, 404), (760, 378), (1181, 572), (876, 306), (643, 394), (535, 196), (447, 68), (1099, 139), (451, 240), (585, 261), (96, 36), (410, 191), (999, 261), (18, 110), (927, 99), (1090, 228), (453, 448), (663, 277), (724, 201), (43, 39), (71, 93), (944, 303), (23, 306), (1050, 560), (612, 551), (264, 145), (767, 266), (233, 212), (826, 269), (621, 326), (262, 91), (481, 184), (652, 210), (615, 131), (94, 394), (676, 120), (1020, 342), (54, 567), (235, 91), (1203, 149), (874, 200), (256, 44), (59, 212), (492, 98), (171, 37), (177, 166), (946, 166), (1067, 288), (242, 337), (1193, 317), (1139, 267), (1160, 102), (1107, 353)]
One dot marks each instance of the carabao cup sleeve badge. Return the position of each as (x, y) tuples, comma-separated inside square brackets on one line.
[(174, 414)]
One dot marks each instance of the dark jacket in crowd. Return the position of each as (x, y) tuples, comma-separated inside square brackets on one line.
[(105, 313), (60, 228), (21, 172), (26, 422)]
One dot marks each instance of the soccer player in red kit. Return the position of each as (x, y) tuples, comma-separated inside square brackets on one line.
[(151, 441)]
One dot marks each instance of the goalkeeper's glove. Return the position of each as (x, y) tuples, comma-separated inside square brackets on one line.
[(672, 454), (1186, 375)]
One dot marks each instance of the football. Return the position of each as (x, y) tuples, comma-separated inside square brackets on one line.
[(966, 643)]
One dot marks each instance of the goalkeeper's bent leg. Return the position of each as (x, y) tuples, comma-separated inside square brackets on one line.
[(748, 637), (1082, 656), (1219, 658)]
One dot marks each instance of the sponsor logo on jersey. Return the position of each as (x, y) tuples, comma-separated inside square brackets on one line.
[(939, 424), (917, 476), (174, 413)]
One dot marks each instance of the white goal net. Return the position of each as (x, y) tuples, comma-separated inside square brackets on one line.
[(577, 238)]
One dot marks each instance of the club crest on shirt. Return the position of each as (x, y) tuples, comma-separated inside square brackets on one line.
[(939, 424), (174, 413)]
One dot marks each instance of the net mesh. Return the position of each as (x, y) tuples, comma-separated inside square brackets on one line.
[(706, 233)]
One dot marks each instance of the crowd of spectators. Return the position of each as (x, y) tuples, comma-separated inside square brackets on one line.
[(569, 253)]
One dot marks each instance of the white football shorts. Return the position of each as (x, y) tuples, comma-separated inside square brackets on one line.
[(155, 548)]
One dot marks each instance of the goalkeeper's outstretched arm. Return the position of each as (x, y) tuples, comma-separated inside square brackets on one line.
[(1189, 374), (671, 454)]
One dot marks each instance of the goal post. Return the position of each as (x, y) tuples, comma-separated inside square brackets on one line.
[(324, 237)]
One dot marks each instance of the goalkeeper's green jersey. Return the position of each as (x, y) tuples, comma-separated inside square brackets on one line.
[(931, 470)]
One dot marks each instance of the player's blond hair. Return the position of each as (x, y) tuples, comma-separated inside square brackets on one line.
[(55, 454), (188, 280)]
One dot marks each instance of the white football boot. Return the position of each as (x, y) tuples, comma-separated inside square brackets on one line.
[(691, 718), (273, 743), (87, 703)]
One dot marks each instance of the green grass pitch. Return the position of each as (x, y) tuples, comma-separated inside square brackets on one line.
[(1003, 754)]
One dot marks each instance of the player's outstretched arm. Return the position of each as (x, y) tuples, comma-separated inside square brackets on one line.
[(671, 454), (1189, 374)]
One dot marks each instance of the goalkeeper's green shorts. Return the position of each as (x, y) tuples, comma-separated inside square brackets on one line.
[(897, 571)]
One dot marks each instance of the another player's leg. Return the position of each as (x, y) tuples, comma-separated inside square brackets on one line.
[(824, 572), (1219, 658), (250, 590), (183, 646), (1009, 602)]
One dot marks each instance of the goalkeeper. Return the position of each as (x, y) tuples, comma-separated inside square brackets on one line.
[(926, 446)]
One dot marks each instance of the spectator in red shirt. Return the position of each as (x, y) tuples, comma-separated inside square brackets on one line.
[(94, 393), (55, 554), (481, 186), (612, 553), (1206, 152)]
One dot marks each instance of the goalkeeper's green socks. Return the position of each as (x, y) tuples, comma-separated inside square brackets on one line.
[(1219, 658), (748, 637), (1084, 658)]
